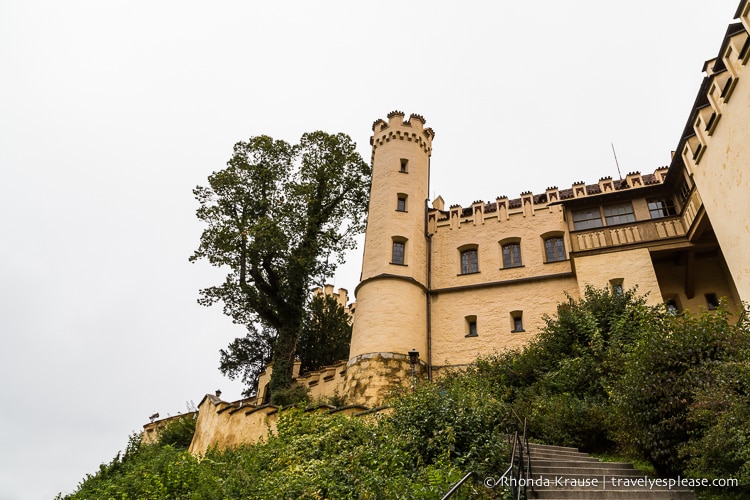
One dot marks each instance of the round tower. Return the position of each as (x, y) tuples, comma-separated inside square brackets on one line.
[(391, 317)]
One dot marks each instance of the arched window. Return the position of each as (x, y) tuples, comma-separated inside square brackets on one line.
[(469, 259), (511, 251), (554, 247)]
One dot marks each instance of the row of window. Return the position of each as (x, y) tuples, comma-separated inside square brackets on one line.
[(516, 324), (712, 303), (554, 251), (621, 213)]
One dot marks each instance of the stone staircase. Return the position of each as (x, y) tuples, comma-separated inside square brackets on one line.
[(565, 473)]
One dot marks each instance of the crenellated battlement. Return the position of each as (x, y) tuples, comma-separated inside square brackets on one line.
[(722, 76), (341, 296), (528, 204), (396, 128)]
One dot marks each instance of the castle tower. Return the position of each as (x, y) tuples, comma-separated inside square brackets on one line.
[(391, 317)]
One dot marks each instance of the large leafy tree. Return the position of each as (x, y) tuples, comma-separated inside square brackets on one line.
[(279, 219)]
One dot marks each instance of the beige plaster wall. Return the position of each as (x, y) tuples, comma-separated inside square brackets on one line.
[(722, 174), (487, 235), (224, 425), (492, 307), (390, 317), (633, 267)]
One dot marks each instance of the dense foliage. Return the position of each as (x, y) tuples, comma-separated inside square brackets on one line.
[(279, 218), (422, 448), (608, 373)]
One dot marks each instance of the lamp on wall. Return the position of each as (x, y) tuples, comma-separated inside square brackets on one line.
[(413, 360)]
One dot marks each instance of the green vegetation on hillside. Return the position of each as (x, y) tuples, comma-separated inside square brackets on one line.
[(608, 374)]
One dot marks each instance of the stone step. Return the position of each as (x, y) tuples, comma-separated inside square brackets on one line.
[(536, 446), (585, 464), (565, 473), (589, 471), (538, 455), (584, 481)]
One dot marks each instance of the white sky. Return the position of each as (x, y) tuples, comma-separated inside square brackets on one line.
[(112, 111)]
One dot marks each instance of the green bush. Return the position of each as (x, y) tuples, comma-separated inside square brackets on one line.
[(178, 432), (669, 379)]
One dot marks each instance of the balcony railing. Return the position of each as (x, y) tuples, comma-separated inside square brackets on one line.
[(625, 234)]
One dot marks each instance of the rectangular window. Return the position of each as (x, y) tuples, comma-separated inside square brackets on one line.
[(661, 208), (404, 165), (471, 324), (469, 261), (587, 219), (511, 255), (516, 318), (554, 249), (398, 252), (621, 213), (401, 203)]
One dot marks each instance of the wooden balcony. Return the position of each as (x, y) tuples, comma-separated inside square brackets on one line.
[(627, 234)]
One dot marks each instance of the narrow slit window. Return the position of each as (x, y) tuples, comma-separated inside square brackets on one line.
[(404, 165), (516, 318), (471, 326)]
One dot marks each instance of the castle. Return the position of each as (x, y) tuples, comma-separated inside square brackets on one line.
[(450, 284), (457, 282)]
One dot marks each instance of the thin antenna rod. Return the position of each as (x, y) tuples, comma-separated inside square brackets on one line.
[(616, 162)]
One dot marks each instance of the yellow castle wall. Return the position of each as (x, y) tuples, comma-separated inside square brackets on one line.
[(631, 267), (722, 170), (492, 307)]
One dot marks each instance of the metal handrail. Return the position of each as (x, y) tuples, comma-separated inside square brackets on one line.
[(457, 486), (520, 476)]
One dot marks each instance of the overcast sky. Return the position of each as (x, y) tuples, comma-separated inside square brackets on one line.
[(112, 111)]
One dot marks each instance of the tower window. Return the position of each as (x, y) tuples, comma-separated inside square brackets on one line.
[(511, 255), (401, 203), (469, 261), (661, 208), (404, 165), (621, 213), (516, 318), (616, 285), (399, 252), (554, 249)]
